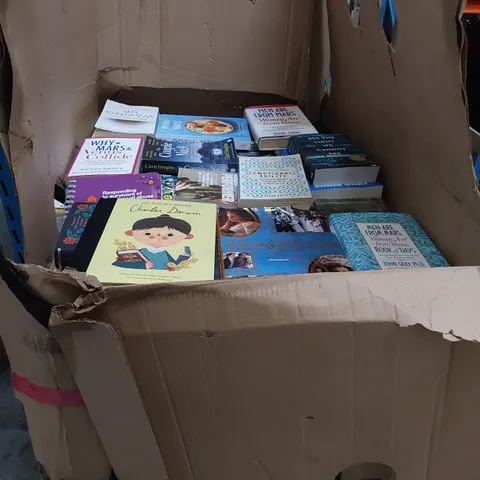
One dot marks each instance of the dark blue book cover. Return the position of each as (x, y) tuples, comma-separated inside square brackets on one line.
[(298, 142), (277, 241), (72, 231), (166, 156)]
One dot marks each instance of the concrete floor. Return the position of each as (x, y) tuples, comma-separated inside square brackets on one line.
[(16, 455)]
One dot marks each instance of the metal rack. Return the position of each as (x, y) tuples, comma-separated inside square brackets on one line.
[(11, 232)]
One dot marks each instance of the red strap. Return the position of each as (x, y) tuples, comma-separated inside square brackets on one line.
[(49, 396)]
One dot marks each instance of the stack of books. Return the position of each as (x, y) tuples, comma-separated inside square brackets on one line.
[(156, 197)]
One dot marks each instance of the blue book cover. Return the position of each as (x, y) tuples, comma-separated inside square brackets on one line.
[(206, 129), (296, 143), (166, 156), (277, 241), (385, 241)]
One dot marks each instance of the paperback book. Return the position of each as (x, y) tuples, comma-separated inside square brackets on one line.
[(167, 156), (127, 119), (146, 241), (273, 125), (277, 241), (385, 241), (220, 188), (106, 156), (340, 169), (347, 192), (92, 189), (72, 230), (205, 129), (272, 181)]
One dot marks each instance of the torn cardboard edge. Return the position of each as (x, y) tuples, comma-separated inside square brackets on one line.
[(429, 297)]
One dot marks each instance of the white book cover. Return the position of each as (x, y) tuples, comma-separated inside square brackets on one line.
[(271, 180), (273, 125), (106, 156), (121, 118)]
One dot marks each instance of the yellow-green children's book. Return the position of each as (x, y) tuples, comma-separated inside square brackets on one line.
[(131, 241)]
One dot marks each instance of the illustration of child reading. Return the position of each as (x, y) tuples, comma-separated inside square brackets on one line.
[(157, 234)]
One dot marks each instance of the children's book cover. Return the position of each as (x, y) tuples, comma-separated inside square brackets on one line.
[(277, 241), (204, 129), (166, 156), (106, 156), (155, 241), (168, 186), (385, 241)]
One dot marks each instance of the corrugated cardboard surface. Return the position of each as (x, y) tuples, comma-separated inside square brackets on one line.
[(290, 377), (64, 439), (259, 46), (407, 106)]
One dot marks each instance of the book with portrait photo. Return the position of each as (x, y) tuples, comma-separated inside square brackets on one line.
[(146, 241), (206, 186), (277, 241)]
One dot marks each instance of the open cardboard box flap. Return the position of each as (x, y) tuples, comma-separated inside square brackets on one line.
[(270, 378), (292, 376)]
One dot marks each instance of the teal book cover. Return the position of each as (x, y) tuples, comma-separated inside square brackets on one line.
[(385, 241)]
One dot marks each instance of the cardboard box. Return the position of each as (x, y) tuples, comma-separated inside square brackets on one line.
[(291, 377)]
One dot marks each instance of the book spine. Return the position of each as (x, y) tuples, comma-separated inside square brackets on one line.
[(253, 125)]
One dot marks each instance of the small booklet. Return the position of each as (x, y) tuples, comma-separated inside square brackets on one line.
[(121, 118)]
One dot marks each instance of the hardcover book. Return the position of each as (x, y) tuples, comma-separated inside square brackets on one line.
[(167, 156), (296, 143), (385, 241), (91, 189), (106, 156), (220, 188), (121, 118), (277, 241), (145, 241), (348, 191), (273, 125), (204, 129), (272, 181), (73, 227)]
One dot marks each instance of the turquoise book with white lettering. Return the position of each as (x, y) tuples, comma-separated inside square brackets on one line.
[(385, 241)]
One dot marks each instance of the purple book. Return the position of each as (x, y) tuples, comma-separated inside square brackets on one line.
[(91, 189)]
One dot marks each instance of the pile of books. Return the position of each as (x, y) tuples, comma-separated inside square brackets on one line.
[(155, 197)]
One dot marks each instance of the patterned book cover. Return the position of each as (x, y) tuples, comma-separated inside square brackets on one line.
[(385, 241), (166, 156), (91, 189), (177, 239), (205, 129), (277, 241), (272, 181), (71, 232)]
